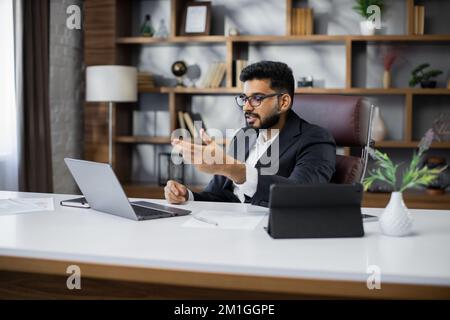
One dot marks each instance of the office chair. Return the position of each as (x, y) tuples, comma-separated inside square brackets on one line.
[(349, 120)]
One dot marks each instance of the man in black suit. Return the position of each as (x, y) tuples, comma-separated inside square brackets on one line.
[(276, 146)]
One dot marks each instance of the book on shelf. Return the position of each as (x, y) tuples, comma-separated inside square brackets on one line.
[(145, 80), (302, 21), (239, 64), (190, 125), (219, 75), (419, 20), (193, 122), (181, 122), (214, 75)]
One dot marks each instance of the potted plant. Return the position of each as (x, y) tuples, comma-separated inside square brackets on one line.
[(367, 26), (419, 75), (395, 219)]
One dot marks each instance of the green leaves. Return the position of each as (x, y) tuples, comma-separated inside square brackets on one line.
[(418, 74), (361, 6), (412, 177)]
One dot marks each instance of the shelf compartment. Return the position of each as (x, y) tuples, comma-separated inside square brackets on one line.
[(142, 140), (411, 144)]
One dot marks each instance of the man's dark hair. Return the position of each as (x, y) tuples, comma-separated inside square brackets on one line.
[(279, 74)]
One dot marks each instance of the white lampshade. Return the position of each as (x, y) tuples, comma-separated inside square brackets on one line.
[(111, 84)]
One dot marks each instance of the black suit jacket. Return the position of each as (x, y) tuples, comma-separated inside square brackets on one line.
[(307, 155)]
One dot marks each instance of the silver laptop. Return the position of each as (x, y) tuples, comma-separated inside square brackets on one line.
[(103, 192)]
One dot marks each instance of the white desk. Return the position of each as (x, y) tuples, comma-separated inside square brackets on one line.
[(165, 253)]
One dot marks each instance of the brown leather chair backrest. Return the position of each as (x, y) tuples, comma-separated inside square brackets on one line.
[(346, 118)]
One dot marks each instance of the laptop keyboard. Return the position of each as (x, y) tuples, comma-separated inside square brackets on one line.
[(148, 213)]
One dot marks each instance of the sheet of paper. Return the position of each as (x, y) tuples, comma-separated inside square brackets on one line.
[(24, 205), (226, 220)]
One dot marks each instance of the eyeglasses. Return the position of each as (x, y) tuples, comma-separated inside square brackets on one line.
[(255, 100)]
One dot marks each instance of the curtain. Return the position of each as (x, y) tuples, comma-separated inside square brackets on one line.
[(36, 159), (9, 92)]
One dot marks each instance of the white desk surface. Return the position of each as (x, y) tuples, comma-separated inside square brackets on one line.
[(88, 236)]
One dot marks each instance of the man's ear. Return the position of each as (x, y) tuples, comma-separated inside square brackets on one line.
[(285, 102)]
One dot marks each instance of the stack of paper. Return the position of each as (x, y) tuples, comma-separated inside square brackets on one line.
[(23, 205)]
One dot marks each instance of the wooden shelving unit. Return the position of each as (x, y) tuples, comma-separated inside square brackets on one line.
[(109, 41)]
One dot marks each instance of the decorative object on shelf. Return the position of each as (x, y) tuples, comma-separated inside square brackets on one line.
[(193, 74), (168, 170), (179, 69), (196, 19), (232, 31), (441, 126), (419, 20), (368, 26), (302, 21), (448, 79), (162, 31), (305, 82), (438, 186), (379, 130), (111, 84), (419, 75), (395, 219), (147, 29), (388, 60)]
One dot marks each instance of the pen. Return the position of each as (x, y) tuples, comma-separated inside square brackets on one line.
[(205, 220)]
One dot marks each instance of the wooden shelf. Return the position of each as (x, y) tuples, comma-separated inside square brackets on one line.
[(171, 40), (410, 144), (351, 91), (142, 140), (190, 90), (405, 38), (281, 39)]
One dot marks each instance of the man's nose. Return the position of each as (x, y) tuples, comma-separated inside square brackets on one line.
[(247, 106)]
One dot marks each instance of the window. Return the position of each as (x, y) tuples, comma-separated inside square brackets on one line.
[(8, 105)]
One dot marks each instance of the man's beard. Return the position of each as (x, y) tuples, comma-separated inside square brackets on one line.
[(268, 123)]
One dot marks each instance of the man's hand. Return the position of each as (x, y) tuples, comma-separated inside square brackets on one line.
[(210, 158), (175, 192)]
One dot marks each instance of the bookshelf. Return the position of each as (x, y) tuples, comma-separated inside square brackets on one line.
[(110, 40)]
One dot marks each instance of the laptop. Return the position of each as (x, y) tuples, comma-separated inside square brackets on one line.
[(315, 211), (103, 192)]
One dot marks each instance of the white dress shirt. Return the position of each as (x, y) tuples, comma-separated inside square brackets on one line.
[(251, 174)]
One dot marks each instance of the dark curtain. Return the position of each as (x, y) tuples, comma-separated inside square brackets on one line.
[(36, 157)]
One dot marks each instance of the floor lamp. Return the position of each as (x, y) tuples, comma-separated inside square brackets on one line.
[(110, 84)]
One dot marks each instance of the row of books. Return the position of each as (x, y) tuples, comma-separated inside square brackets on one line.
[(194, 122), (419, 20), (239, 64), (145, 80), (302, 21), (214, 75), (186, 121)]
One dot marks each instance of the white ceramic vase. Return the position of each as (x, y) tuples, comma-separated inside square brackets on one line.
[(367, 27), (378, 127), (395, 220)]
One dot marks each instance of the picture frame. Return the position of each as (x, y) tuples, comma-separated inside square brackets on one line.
[(196, 19)]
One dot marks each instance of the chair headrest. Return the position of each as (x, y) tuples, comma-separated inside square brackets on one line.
[(345, 117)]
